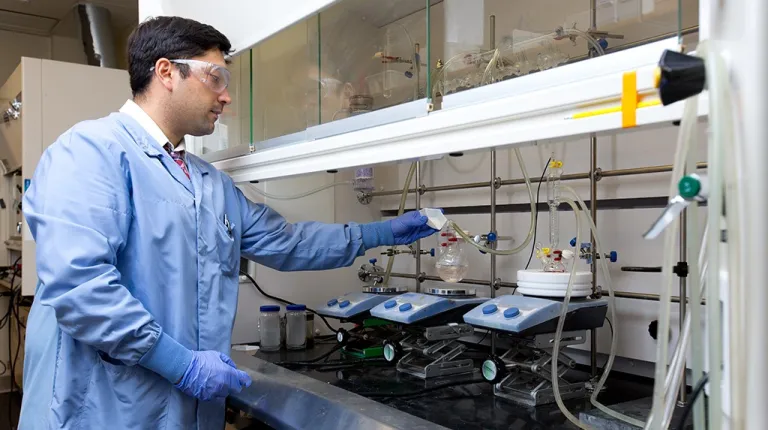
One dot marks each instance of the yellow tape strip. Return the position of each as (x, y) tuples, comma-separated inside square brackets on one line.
[(629, 100), (614, 109)]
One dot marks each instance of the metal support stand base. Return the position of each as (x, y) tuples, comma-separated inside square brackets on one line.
[(433, 354), (530, 365), (530, 390)]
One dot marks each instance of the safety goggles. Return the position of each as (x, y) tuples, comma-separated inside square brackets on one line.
[(214, 76)]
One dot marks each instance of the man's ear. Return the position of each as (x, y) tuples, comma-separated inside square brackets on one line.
[(164, 72)]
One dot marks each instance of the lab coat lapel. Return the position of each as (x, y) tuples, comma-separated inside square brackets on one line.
[(174, 169), (154, 150), (197, 181)]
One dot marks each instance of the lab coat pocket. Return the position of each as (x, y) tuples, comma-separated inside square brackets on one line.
[(226, 248), (115, 367)]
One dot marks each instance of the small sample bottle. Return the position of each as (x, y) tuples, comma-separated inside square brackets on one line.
[(310, 330), (296, 327), (269, 328)]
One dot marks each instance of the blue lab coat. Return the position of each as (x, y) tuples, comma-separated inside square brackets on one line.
[(128, 248)]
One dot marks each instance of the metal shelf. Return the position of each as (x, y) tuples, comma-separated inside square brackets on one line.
[(515, 112)]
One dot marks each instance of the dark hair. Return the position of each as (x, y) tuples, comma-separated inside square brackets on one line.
[(168, 37)]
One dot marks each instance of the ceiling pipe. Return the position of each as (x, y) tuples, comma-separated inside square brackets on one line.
[(97, 35)]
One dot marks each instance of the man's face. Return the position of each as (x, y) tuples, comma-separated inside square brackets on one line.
[(198, 100)]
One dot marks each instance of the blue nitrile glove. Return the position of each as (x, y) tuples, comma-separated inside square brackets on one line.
[(211, 375), (403, 230)]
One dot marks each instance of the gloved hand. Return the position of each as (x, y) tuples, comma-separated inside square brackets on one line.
[(211, 375), (410, 227), (403, 230)]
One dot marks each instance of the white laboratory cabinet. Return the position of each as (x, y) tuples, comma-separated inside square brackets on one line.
[(53, 97)]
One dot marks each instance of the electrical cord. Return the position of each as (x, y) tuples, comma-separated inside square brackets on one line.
[(536, 225), (7, 317), (422, 391), (12, 360), (483, 338), (278, 299), (341, 364), (694, 395), (311, 361), (610, 324), (359, 364)]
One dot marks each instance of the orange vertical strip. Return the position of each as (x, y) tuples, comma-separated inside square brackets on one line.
[(629, 100)]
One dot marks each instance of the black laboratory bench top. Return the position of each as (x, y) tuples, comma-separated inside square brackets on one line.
[(466, 407)]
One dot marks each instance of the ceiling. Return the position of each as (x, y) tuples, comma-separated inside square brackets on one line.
[(40, 16)]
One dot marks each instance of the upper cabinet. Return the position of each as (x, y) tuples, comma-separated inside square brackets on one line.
[(353, 65)]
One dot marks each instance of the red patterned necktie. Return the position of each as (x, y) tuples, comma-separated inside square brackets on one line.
[(178, 157)]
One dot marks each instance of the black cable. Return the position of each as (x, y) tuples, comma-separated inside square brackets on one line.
[(536, 221), (339, 364), (610, 324), (422, 391), (689, 405), (5, 367), (6, 318), (358, 364), (278, 299), (314, 360), (11, 303), (483, 338)]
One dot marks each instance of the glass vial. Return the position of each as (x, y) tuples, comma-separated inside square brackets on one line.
[(269, 328), (310, 330), (296, 327)]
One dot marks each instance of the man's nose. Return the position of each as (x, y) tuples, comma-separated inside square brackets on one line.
[(224, 97)]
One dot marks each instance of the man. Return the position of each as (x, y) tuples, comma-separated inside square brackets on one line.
[(138, 251)]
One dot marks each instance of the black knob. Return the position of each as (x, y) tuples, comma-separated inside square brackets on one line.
[(392, 351), (342, 336), (494, 370), (680, 76)]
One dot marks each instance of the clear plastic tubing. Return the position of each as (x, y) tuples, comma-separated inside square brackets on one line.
[(678, 360), (669, 258), (400, 210), (716, 78), (302, 194), (269, 328), (469, 240), (603, 265), (296, 327), (558, 334)]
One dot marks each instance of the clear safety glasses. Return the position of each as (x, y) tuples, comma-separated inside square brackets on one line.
[(214, 76)]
